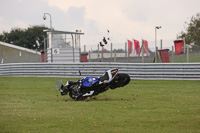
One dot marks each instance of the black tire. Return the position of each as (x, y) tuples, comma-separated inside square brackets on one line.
[(76, 98), (120, 80), (73, 91), (71, 94), (74, 94)]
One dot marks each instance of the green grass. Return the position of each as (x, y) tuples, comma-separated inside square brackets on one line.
[(33, 105), (192, 59)]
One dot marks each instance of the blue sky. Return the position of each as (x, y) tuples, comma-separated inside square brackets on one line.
[(126, 19)]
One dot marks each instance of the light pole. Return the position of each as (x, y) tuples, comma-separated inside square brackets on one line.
[(44, 17), (157, 27)]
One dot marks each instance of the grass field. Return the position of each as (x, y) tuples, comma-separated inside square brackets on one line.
[(34, 105), (192, 59)]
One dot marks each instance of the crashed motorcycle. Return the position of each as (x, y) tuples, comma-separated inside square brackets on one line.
[(92, 86)]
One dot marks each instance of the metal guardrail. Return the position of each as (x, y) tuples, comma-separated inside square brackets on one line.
[(137, 71)]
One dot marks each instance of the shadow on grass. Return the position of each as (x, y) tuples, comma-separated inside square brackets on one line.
[(89, 99)]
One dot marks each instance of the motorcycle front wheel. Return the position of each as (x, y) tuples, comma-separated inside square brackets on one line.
[(74, 93)]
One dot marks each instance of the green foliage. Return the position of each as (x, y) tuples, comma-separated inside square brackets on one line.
[(25, 37), (192, 33), (34, 105)]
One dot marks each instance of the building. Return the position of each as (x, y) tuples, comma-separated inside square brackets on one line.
[(10, 53), (63, 46)]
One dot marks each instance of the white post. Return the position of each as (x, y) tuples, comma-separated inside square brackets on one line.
[(98, 53), (89, 55), (155, 47), (184, 45), (111, 50), (2, 61), (161, 44), (84, 48), (51, 55), (125, 49), (188, 53), (128, 56), (114, 55), (172, 54), (102, 54), (142, 52)]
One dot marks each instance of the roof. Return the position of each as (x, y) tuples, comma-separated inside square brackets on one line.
[(19, 48), (63, 32)]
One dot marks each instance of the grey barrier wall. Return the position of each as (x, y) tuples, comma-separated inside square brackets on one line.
[(137, 71)]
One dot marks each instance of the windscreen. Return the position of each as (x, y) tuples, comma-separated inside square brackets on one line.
[(59, 84)]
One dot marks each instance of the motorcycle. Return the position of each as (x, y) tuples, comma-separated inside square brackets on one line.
[(92, 86)]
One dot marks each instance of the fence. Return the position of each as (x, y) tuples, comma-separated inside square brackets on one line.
[(137, 71), (118, 52)]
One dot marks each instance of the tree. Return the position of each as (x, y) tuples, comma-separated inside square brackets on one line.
[(192, 33), (25, 37)]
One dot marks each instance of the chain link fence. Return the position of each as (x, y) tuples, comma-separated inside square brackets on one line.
[(119, 52), (112, 52)]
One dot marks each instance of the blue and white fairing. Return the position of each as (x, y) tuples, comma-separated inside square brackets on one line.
[(89, 81), (109, 75), (106, 78)]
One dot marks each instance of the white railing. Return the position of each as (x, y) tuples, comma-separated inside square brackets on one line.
[(137, 71)]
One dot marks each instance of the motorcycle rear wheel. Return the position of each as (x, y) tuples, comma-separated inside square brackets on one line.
[(120, 80)]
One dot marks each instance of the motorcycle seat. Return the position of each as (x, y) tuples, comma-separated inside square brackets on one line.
[(108, 76), (104, 77)]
